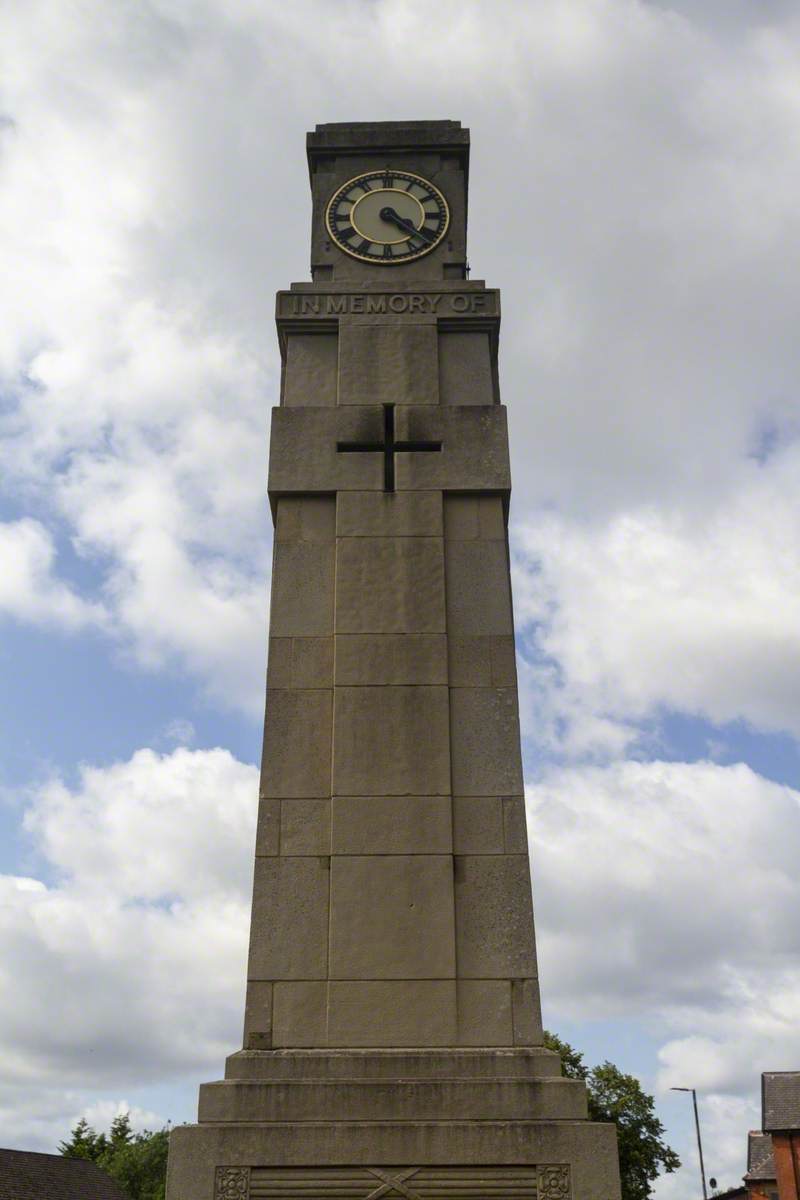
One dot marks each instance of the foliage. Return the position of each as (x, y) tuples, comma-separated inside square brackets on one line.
[(138, 1161), (615, 1096)]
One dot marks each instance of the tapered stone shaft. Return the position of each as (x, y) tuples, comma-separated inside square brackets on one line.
[(392, 1012)]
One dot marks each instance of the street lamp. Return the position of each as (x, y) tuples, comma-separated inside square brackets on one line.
[(697, 1127)]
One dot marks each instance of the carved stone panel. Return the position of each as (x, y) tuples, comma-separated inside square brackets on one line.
[(543, 1182), (553, 1183), (233, 1183)]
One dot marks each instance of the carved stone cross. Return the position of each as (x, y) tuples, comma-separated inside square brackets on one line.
[(388, 447)]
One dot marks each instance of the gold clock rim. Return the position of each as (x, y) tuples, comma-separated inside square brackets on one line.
[(383, 262)]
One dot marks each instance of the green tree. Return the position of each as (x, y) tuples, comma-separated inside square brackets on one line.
[(138, 1161), (615, 1096), (84, 1143)]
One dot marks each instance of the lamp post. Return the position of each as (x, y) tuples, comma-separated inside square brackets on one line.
[(697, 1127)]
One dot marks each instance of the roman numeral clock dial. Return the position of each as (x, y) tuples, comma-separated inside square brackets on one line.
[(387, 217)]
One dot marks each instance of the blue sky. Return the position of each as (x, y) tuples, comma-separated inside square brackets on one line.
[(634, 183)]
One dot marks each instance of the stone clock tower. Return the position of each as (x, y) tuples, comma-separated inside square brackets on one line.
[(392, 1040)]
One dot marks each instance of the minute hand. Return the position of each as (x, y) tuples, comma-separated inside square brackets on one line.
[(389, 214)]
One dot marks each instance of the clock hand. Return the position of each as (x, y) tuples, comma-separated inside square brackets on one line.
[(389, 214)]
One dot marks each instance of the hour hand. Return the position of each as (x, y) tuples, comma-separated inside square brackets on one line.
[(389, 214)]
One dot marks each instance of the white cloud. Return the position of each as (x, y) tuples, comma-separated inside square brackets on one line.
[(155, 196), (141, 935), (663, 608), (666, 895), (138, 408), (101, 1113), (654, 331), (29, 587), (193, 807), (753, 1030), (724, 1121), (38, 1118), (180, 732), (634, 183)]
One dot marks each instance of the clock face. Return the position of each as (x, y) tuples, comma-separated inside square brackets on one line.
[(387, 216)]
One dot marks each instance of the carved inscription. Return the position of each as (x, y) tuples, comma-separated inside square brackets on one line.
[(543, 1182), (334, 304)]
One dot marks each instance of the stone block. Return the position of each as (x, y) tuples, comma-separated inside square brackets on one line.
[(484, 1012), (478, 588), (391, 825), (494, 917), (478, 825), (485, 743), (302, 590), (487, 661), (389, 514), (268, 828), (527, 1012), (279, 662), (390, 585), (469, 661), (417, 1012), (465, 368), (404, 658), (289, 931), (469, 517), (392, 917), (258, 1016), (305, 826), (311, 370), (306, 519), (300, 1014), (504, 661), (566, 1157), (300, 662), (304, 457), (403, 1100), (303, 453), (297, 743), (522, 1062), (390, 741), (515, 825), (474, 454), (388, 363)]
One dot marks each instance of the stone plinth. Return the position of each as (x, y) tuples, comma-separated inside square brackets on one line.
[(469, 1122)]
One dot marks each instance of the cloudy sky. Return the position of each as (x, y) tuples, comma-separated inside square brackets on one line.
[(634, 192)]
